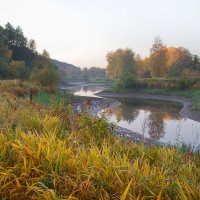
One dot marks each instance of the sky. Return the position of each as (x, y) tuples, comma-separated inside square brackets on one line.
[(82, 32)]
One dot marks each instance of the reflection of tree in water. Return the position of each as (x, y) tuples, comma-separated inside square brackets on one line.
[(124, 112), (129, 113), (157, 114), (156, 126)]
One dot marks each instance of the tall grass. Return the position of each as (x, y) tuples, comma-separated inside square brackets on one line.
[(51, 153)]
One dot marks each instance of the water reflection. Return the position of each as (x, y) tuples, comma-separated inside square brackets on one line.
[(125, 112), (88, 90), (154, 118), (156, 126), (158, 120)]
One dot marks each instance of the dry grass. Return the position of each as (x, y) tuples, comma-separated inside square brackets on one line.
[(54, 154)]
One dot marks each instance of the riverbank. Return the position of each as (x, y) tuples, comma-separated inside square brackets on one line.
[(186, 110), (192, 94), (97, 106)]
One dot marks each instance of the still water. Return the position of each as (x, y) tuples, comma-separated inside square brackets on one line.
[(88, 91), (84, 89), (158, 120)]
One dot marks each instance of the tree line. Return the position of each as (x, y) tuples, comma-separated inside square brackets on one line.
[(163, 62), (19, 58), (72, 72)]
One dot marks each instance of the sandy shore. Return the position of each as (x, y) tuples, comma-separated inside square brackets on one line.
[(186, 110)]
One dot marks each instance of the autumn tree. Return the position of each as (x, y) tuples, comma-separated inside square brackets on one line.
[(179, 60), (158, 58), (143, 69)]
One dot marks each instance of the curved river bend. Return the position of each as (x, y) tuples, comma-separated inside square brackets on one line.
[(158, 120)]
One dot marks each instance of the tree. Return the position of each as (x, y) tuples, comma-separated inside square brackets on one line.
[(32, 45), (45, 74), (5, 56), (96, 72), (179, 59), (16, 41), (48, 76), (158, 58), (17, 69), (45, 54), (85, 74), (14, 36), (121, 66)]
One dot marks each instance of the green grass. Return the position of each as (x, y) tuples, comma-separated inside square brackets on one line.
[(46, 98), (53, 154)]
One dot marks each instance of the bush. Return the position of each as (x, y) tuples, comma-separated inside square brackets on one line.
[(126, 81), (48, 76)]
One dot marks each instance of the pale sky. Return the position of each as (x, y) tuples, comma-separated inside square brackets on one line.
[(81, 32)]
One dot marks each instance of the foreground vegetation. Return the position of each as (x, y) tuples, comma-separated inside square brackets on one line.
[(51, 153)]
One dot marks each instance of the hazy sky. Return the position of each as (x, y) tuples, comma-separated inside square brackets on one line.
[(81, 32)]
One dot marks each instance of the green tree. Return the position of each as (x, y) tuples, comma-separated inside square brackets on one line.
[(5, 57), (14, 36), (46, 73), (121, 66), (16, 41), (17, 69), (85, 74), (96, 72), (48, 76), (32, 45)]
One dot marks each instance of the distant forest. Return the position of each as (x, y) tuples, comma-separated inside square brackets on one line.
[(19, 59), (69, 71)]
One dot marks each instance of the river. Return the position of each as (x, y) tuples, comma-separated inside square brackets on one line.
[(158, 120)]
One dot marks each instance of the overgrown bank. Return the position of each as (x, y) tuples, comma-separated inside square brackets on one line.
[(51, 153)]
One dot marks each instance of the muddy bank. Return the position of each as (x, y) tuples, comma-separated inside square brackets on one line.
[(93, 106), (186, 110)]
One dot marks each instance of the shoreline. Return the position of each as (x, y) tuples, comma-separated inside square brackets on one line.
[(106, 100), (98, 104), (185, 112)]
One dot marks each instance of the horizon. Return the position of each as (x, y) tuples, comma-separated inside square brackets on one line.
[(82, 33)]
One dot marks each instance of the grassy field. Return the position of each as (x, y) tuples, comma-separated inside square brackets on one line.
[(51, 153)]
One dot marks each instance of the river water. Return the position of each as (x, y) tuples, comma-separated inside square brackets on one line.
[(158, 120)]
